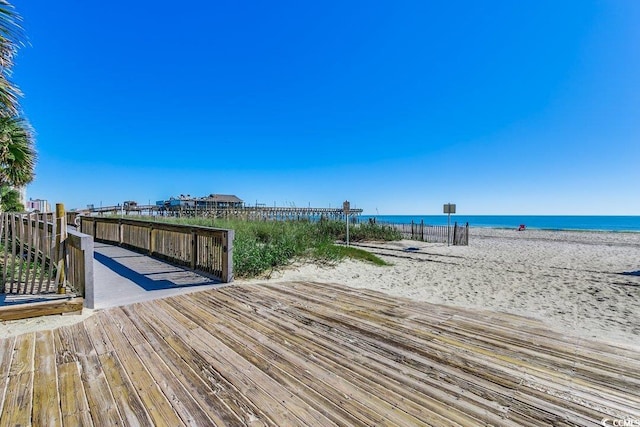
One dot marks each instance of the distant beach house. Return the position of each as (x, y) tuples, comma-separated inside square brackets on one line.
[(222, 201), (212, 202)]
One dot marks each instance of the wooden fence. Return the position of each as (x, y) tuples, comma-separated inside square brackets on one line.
[(457, 235), (41, 256), (205, 249)]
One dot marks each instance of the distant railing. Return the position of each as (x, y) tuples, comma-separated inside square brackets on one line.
[(41, 256), (205, 249), (457, 235)]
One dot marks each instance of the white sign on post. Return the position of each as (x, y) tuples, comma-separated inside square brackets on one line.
[(449, 208)]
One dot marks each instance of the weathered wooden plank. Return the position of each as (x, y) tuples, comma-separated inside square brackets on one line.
[(18, 398), (99, 398), (235, 338), (188, 410), (245, 408), (570, 367), (304, 354), (332, 355), (6, 354), (499, 368), (47, 308), (73, 402), (518, 327), (46, 399), (571, 362), (249, 380), (573, 384), (488, 370), (522, 341), (553, 349), (99, 338), (157, 404), (22, 360), (321, 382), (208, 387), (130, 407)]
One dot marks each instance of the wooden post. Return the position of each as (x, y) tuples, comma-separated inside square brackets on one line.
[(21, 249), (467, 234), (152, 240), (455, 232), (6, 239), (227, 256), (86, 286), (61, 235), (32, 250), (194, 249)]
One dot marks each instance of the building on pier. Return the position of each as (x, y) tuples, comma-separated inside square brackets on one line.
[(210, 203)]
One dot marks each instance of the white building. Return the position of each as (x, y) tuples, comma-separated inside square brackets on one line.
[(39, 205)]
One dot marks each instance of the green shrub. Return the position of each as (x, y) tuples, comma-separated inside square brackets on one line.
[(261, 246)]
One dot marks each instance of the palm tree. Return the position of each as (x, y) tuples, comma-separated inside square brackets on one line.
[(11, 36), (17, 152), (10, 200)]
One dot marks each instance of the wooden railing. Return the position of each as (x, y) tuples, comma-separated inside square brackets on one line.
[(41, 256), (457, 235), (205, 249)]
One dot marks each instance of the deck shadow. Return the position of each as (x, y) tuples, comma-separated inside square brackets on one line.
[(143, 280)]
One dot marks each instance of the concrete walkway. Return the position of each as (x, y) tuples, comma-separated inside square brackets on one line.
[(124, 277)]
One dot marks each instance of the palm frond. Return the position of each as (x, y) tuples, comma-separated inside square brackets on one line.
[(17, 151), (11, 36)]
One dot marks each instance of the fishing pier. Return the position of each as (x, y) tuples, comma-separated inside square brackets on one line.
[(263, 213)]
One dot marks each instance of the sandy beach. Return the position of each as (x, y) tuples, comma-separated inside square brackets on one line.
[(584, 284)]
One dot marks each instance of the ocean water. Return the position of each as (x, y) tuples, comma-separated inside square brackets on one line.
[(542, 222)]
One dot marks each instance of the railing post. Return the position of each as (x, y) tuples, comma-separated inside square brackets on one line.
[(87, 252), (227, 256), (152, 240), (61, 234), (120, 232), (194, 249)]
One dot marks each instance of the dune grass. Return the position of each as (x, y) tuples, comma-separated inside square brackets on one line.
[(262, 246)]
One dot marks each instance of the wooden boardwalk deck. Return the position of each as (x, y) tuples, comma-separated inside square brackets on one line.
[(313, 355)]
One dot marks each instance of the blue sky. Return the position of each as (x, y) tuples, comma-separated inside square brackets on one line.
[(502, 107)]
